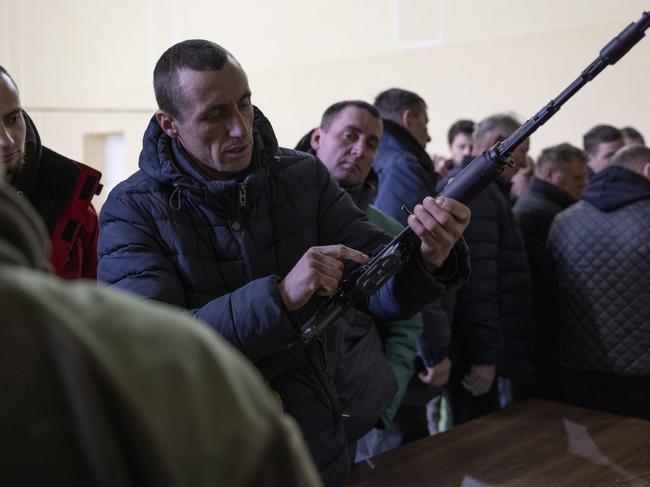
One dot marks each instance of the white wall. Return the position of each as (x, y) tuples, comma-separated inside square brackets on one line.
[(84, 66)]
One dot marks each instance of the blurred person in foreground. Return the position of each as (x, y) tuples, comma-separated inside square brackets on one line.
[(100, 388)]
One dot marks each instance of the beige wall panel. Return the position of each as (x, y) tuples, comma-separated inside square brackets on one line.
[(474, 20), (85, 53), (467, 58), (273, 35), (520, 75)]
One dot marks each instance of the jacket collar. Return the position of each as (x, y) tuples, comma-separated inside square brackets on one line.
[(364, 193), (164, 160), (553, 193), (396, 134)]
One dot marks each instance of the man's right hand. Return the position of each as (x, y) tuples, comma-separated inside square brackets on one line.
[(319, 271), (479, 379)]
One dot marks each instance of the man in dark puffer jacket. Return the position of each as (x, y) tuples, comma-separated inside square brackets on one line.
[(560, 177), (599, 248), (492, 332), (247, 236)]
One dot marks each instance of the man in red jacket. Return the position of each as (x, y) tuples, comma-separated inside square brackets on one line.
[(60, 189)]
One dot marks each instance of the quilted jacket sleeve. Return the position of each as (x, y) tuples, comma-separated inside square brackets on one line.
[(477, 304), (131, 257)]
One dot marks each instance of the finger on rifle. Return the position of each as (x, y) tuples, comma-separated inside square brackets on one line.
[(316, 255), (328, 285), (458, 210), (343, 252), (435, 219), (330, 269), (428, 240)]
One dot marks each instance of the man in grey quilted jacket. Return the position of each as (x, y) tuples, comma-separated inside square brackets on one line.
[(601, 261)]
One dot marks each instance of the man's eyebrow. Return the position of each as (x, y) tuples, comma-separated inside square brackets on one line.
[(211, 109), (220, 106), (360, 131), (17, 111)]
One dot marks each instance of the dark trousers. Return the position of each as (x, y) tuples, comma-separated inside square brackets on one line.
[(412, 422), (465, 406), (627, 396)]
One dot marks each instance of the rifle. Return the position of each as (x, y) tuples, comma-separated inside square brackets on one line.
[(365, 280)]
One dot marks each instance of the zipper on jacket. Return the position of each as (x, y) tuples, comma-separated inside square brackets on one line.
[(327, 378), (242, 195)]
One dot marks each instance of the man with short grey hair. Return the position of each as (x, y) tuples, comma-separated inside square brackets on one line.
[(492, 331)]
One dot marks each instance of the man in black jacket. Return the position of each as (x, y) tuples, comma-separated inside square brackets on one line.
[(601, 261), (250, 237), (59, 188), (560, 177), (492, 328)]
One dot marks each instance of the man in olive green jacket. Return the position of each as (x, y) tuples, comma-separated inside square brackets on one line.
[(174, 404)]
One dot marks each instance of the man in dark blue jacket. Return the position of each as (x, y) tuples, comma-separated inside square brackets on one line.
[(601, 258), (248, 236), (406, 172), (406, 176)]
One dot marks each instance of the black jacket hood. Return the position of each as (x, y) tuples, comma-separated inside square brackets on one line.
[(615, 187)]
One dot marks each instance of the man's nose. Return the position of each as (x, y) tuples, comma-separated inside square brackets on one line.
[(358, 148), (238, 127), (6, 141)]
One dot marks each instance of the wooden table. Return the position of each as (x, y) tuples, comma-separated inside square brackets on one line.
[(534, 443)]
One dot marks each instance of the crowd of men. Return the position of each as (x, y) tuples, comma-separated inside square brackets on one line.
[(536, 288)]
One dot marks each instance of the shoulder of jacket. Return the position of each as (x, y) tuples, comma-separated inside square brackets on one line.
[(289, 162)]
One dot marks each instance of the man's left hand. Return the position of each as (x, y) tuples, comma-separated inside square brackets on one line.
[(439, 223)]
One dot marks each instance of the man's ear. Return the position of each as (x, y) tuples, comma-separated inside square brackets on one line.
[(166, 123), (646, 170), (315, 139), (495, 138), (547, 172), (407, 118)]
